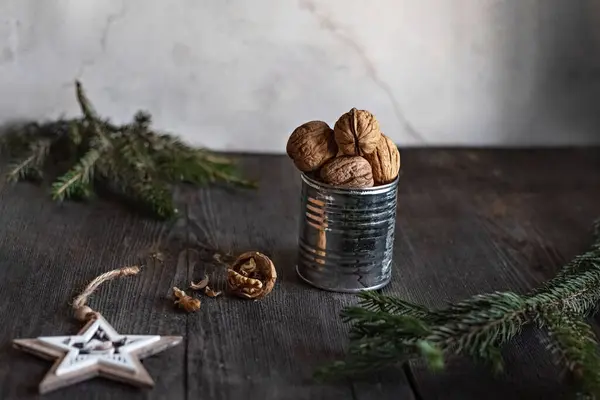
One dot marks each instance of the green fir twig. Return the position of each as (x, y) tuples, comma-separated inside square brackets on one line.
[(131, 161), (386, 330)]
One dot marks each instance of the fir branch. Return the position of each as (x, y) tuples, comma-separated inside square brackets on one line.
[(488, 320), (132, 161), (74, 134), (30, 165), (20, 169), (68, 185), (374, 353), (153, 197), (19, 138), (136, 184), (372, 323), (386, 330), (76, 182), (86, 107), (377, 302)]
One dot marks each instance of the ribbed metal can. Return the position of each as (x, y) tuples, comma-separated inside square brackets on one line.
[(346, 236)]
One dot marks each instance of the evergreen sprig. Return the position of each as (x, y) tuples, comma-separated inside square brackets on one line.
[(387, 330), (132, 161)]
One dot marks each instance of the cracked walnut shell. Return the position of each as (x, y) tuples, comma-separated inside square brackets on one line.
[(385, 161), (357, 133), (311, 145), (348, 172), (252, 275)]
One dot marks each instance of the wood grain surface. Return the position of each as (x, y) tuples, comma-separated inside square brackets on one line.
[(469, 221)]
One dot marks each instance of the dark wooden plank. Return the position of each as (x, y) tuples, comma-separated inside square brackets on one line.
[(266, 349), (469, 221), (478, 221), (48, 253)]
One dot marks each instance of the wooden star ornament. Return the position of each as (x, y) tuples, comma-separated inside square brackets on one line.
[(97, 350)]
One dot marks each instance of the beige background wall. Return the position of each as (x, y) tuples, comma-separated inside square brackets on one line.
[(240, 75)]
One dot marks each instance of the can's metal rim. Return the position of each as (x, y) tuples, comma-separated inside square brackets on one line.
[(353, 191)]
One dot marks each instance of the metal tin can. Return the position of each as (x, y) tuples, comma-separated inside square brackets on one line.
[(346, 236)]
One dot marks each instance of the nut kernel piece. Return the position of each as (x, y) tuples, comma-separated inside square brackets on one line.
[(188, 303)]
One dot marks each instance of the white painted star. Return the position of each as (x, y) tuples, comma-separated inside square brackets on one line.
[(98, 350), (87, 349)]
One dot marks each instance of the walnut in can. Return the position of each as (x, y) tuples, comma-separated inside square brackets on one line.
[(385, 161), (252, 275), (357, 133), (348, 172), (311, 145)]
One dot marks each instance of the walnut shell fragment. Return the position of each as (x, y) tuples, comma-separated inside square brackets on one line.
[(200, 285), (357, 133), (251, 276), (311, 145), (385, 161), (348, 172), (211, 293)]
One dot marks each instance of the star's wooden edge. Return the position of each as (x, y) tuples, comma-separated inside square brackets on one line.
[(140, 378), (42, 349), (38, 348), (51, 382), (164, 343)]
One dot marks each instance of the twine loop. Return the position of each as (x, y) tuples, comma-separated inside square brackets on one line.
[(85, 313)]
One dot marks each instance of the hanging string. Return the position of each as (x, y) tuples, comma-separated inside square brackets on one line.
[(84, 312)]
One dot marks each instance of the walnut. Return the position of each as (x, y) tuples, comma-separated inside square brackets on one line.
[(251, 276), (311, 145), (385, 161), (357, 133), (348, 172)]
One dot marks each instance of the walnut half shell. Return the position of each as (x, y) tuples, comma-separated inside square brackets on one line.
[(251, 276)]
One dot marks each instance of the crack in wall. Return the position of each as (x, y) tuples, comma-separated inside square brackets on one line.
[(327, 24), (111, 19)]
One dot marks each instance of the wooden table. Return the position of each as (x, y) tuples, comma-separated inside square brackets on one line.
[(469, 221)]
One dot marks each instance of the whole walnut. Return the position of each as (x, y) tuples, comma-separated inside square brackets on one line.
[(357, 133), (385, 161), (311, 145), (348, 172)]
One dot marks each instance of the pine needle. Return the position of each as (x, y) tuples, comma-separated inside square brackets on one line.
[(131, 161)]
